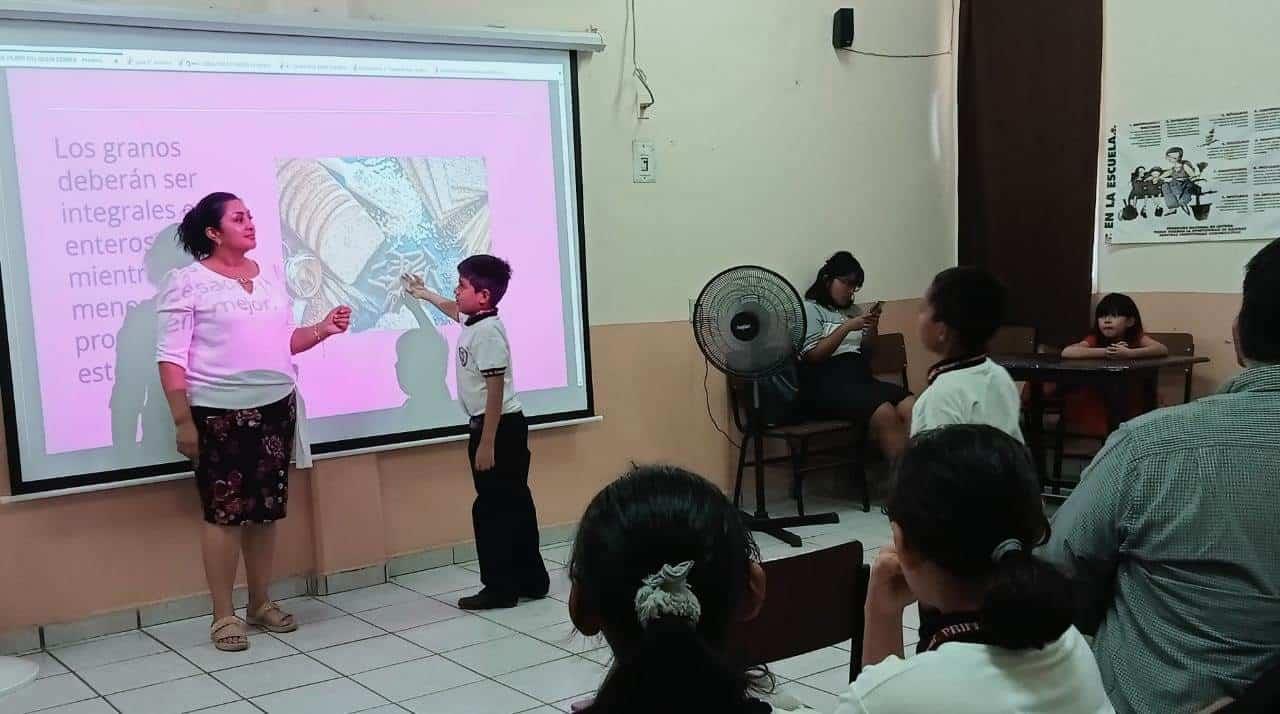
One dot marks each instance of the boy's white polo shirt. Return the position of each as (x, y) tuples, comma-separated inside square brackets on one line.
[(483, 351)]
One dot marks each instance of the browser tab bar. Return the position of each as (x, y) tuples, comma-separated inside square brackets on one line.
[(160, 60)]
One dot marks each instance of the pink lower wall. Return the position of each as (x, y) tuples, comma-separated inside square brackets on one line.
[(70, 557)]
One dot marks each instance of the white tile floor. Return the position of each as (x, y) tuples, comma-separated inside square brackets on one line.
[(397, 647)]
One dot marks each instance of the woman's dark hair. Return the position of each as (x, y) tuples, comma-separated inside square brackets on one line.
[(1260, 308), (650, 517), (207, 213), (970, 301), (960, 492), (1118, 305), (840, 265), (1175, 150), (1137, 174)]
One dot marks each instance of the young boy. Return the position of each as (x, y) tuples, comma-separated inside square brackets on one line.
[(503, 515), (962, 310)]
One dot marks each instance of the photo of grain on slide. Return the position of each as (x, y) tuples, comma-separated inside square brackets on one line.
[(353, 225)]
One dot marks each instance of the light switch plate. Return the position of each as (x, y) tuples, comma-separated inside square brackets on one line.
[(643, 158)]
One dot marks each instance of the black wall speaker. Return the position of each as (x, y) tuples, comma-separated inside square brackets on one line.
[(842, 28)]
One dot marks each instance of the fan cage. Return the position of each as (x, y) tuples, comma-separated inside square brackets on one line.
[(767, 295)]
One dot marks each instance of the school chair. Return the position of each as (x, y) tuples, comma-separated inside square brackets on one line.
[(1179, 344), (1013, 340), (812, 600), (888, 356)]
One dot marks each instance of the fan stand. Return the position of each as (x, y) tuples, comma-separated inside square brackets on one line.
[(15, 672), (761, 521)]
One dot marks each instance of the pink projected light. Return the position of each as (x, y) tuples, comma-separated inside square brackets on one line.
[(106, 159)]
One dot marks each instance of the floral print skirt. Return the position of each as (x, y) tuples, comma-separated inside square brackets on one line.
[(243, 471)]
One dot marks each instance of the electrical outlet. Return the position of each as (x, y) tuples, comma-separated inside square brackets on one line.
[(643, 158)]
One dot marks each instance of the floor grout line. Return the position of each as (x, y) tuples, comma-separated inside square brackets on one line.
[(368, 689), (53, 653), (82, 681), (567, 654), (215, 706), (337, 675), (853, 526)]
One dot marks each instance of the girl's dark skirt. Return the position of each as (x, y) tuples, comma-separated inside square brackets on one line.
[(243, 470), (843, 387)]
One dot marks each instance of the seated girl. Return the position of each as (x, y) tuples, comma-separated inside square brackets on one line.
[(836, 380), (1117, 334), (663, 566), (966, 514)]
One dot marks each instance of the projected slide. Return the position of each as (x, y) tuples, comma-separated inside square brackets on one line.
[(353, 180), (353, 226)]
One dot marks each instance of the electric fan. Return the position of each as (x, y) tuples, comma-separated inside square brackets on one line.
[(15, 673), (749, 323)]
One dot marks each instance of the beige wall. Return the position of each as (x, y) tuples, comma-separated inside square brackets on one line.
[(1186, 287), (1222, 51), (772, 149)]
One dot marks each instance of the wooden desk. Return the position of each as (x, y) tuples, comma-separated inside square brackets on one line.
[(1112, 377)]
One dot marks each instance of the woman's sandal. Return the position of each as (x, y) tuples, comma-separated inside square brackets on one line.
[(272, 619), (228, 634)]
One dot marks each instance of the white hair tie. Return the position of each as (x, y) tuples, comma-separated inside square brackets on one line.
[(1006, 547), (667, 593)]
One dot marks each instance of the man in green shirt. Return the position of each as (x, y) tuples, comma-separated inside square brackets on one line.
[(1173, 535)]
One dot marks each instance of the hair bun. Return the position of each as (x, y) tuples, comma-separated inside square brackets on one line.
[(666, 593), (1006, 547)]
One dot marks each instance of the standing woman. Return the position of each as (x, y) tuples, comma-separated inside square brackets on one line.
[(225, 346), (836, 380)]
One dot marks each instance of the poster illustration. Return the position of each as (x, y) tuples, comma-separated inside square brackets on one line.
[(1193, 178)]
